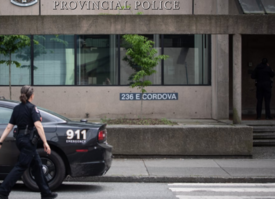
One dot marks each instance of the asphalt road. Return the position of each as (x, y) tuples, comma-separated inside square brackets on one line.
[(154, 191)]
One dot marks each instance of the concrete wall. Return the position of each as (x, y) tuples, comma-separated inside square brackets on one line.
[(100, 102), (212, 7), (179, 140), (235, 8)]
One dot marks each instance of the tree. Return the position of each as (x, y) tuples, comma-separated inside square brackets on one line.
[(9, 44), (141, 56)]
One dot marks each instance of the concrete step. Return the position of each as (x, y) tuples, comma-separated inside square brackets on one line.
[(264, 129), (259, 123), (263, 142), (263, 135)]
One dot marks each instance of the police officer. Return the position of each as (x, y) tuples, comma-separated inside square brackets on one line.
[(263, 74), (26, 116)]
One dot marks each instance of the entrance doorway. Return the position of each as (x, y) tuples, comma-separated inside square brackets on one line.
[(254, 48)]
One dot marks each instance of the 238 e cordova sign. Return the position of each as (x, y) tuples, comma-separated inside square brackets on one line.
[(116, 5)]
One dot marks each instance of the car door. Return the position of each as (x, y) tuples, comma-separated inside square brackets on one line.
[(9, 152)]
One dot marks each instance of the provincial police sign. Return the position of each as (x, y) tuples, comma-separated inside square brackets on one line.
[(116, 5), (24, 3), (148, 96)]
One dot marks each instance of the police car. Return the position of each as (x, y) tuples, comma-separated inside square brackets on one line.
[(78, 148)]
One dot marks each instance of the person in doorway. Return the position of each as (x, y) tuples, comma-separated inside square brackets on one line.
[(26, 116), (263, 74)]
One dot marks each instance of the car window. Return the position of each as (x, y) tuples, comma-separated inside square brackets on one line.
[(5, 115), (47, 117), (53, 114)]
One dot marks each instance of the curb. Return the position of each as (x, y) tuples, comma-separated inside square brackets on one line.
[(165, 179)]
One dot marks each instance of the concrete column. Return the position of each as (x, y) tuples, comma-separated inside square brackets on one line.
[(220, 77), (220, 68), (237, 79)]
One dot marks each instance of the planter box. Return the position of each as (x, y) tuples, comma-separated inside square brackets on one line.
[(189, 140)]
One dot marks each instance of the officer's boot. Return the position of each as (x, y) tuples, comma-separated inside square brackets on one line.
[(50, 196)]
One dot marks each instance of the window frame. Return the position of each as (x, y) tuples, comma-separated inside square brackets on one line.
[(119, 67)]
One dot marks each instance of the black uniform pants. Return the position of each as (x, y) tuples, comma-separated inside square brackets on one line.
[(28, 158), (263, 92)]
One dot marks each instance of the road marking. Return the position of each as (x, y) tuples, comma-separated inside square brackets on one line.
[(226, 197), (221, 185), (222, 191), (217, 189)]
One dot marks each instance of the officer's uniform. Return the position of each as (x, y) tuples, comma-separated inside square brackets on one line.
[(25, 115), (262, 75)]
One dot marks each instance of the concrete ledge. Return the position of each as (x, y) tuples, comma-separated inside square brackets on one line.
[(189, 140), (165, 179), (133, 24)]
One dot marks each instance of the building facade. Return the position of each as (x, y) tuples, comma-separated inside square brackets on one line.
[(78, 70)]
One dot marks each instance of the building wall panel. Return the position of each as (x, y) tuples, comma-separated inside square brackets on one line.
[(100, 102)]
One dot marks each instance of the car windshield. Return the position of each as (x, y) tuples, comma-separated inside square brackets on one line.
[(55, 114)]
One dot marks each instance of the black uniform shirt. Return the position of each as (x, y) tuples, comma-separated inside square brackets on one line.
[(262, 74), (25, 114)]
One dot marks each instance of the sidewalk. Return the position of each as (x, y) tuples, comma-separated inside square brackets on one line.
[(188, 170), (260, 169)]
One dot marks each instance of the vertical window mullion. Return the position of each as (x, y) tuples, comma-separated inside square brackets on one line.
[(203, 64), (32, 61), (118, 60), (75, 60), (210, 59), (162, 61)]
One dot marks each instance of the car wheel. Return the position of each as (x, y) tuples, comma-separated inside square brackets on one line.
[(53, 168)]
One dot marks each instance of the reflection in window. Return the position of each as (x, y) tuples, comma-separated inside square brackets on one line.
[(252, 6), (5, 115), (54, 60), (189, 59), (126, 71), (269, 6), (97, 60), (19, 76)]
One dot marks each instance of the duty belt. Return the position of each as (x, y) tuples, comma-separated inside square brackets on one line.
[(24, 131)]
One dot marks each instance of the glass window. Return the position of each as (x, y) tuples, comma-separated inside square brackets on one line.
[(127, 71), (269, 6), (252, 6), (97, 60), (189, 59), (21, 75), (54, 60), (5, 115)]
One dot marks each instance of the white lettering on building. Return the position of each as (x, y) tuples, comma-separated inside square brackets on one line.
[(73, 5), (148, 96), (105, 7), (116, 5), (82, 5)]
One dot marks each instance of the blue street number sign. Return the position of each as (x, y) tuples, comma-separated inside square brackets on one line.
[(148, 96)]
